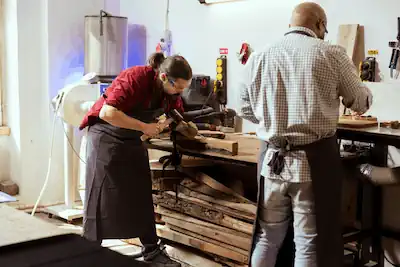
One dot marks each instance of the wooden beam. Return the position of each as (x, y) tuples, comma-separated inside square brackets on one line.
[(347, 38), (207, 180), (249, 209), (199, 236), (230, 146), (180, 216), (351, 38), (169, 234), (224, 209), (202, 213), (221, 236)]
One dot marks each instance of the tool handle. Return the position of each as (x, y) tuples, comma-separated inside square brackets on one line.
[(167, 122)]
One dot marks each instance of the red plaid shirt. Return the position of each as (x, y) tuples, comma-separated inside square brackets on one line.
[(132, 88)]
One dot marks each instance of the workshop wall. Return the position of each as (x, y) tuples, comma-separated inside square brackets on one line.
[(199, 30), (44, 52)]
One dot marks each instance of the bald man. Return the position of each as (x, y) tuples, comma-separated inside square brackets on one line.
[(291, 90)]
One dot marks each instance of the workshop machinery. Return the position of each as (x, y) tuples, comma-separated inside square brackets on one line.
[(105, 57), (205, 100)]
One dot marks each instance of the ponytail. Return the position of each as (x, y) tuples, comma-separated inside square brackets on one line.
[(156, 59)]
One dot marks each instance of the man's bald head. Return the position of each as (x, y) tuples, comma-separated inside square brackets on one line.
[(310, 15)]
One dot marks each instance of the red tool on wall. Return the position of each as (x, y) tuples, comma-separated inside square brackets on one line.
[(244, 53)]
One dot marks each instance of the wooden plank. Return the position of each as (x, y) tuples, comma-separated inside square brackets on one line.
[(202, 213), (248, 152), (347, 38), (212, 206), (204, 189), (214, 134), (188, 219), (205, 179), (169, 234), (357, 122), (236, 241), (213, 143), (249, 209), (178, 229)]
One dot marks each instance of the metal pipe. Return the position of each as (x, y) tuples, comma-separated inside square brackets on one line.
[(70, 186), (380, 175)]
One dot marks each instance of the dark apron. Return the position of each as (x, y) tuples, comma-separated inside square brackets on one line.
[(119, 201), (326, 174)]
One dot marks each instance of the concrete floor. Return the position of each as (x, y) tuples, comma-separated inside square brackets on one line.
[(76, 227), (184, 256)]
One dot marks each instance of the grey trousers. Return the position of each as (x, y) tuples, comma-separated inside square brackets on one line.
[(277, 204)]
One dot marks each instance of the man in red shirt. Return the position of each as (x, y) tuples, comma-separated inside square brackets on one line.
[(119, 201)]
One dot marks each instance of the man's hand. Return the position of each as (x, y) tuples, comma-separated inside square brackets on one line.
[(354, 113), (152, 129)]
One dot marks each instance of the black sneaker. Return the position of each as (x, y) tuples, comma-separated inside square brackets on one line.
[(160, 258)]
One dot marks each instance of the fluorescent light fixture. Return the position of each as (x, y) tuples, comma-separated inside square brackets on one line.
[(214, 1)]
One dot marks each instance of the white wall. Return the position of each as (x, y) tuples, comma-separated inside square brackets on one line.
[(44, 52), (199, 31)]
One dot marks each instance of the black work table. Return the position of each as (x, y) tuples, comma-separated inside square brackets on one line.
[(378, 135), (372, 202)]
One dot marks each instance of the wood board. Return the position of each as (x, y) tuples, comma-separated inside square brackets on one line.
[(207, 180), (223, 237), (214, 143), (248, 152), (165, 232), (202, 213), (180, 216), (347, 38), (351, 38), (357, 122)]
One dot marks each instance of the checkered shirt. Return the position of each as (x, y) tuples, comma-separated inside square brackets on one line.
[(291, 90)]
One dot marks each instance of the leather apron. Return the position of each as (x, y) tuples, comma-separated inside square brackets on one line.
[(327, 175), (119, 201)]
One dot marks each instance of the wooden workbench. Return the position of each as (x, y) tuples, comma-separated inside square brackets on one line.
[(17, 226), (249, 149), (370, 206)]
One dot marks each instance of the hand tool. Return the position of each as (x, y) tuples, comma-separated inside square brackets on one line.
[(187, 129)]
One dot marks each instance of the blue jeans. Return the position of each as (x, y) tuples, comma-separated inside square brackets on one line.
[(276, 205)]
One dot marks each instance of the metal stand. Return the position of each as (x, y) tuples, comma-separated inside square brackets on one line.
[(175, 158), (69, 211)]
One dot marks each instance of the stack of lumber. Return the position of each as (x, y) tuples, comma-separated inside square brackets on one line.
[(204, 214)]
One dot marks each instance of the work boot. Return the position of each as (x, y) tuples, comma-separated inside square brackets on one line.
[(159, 258)]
